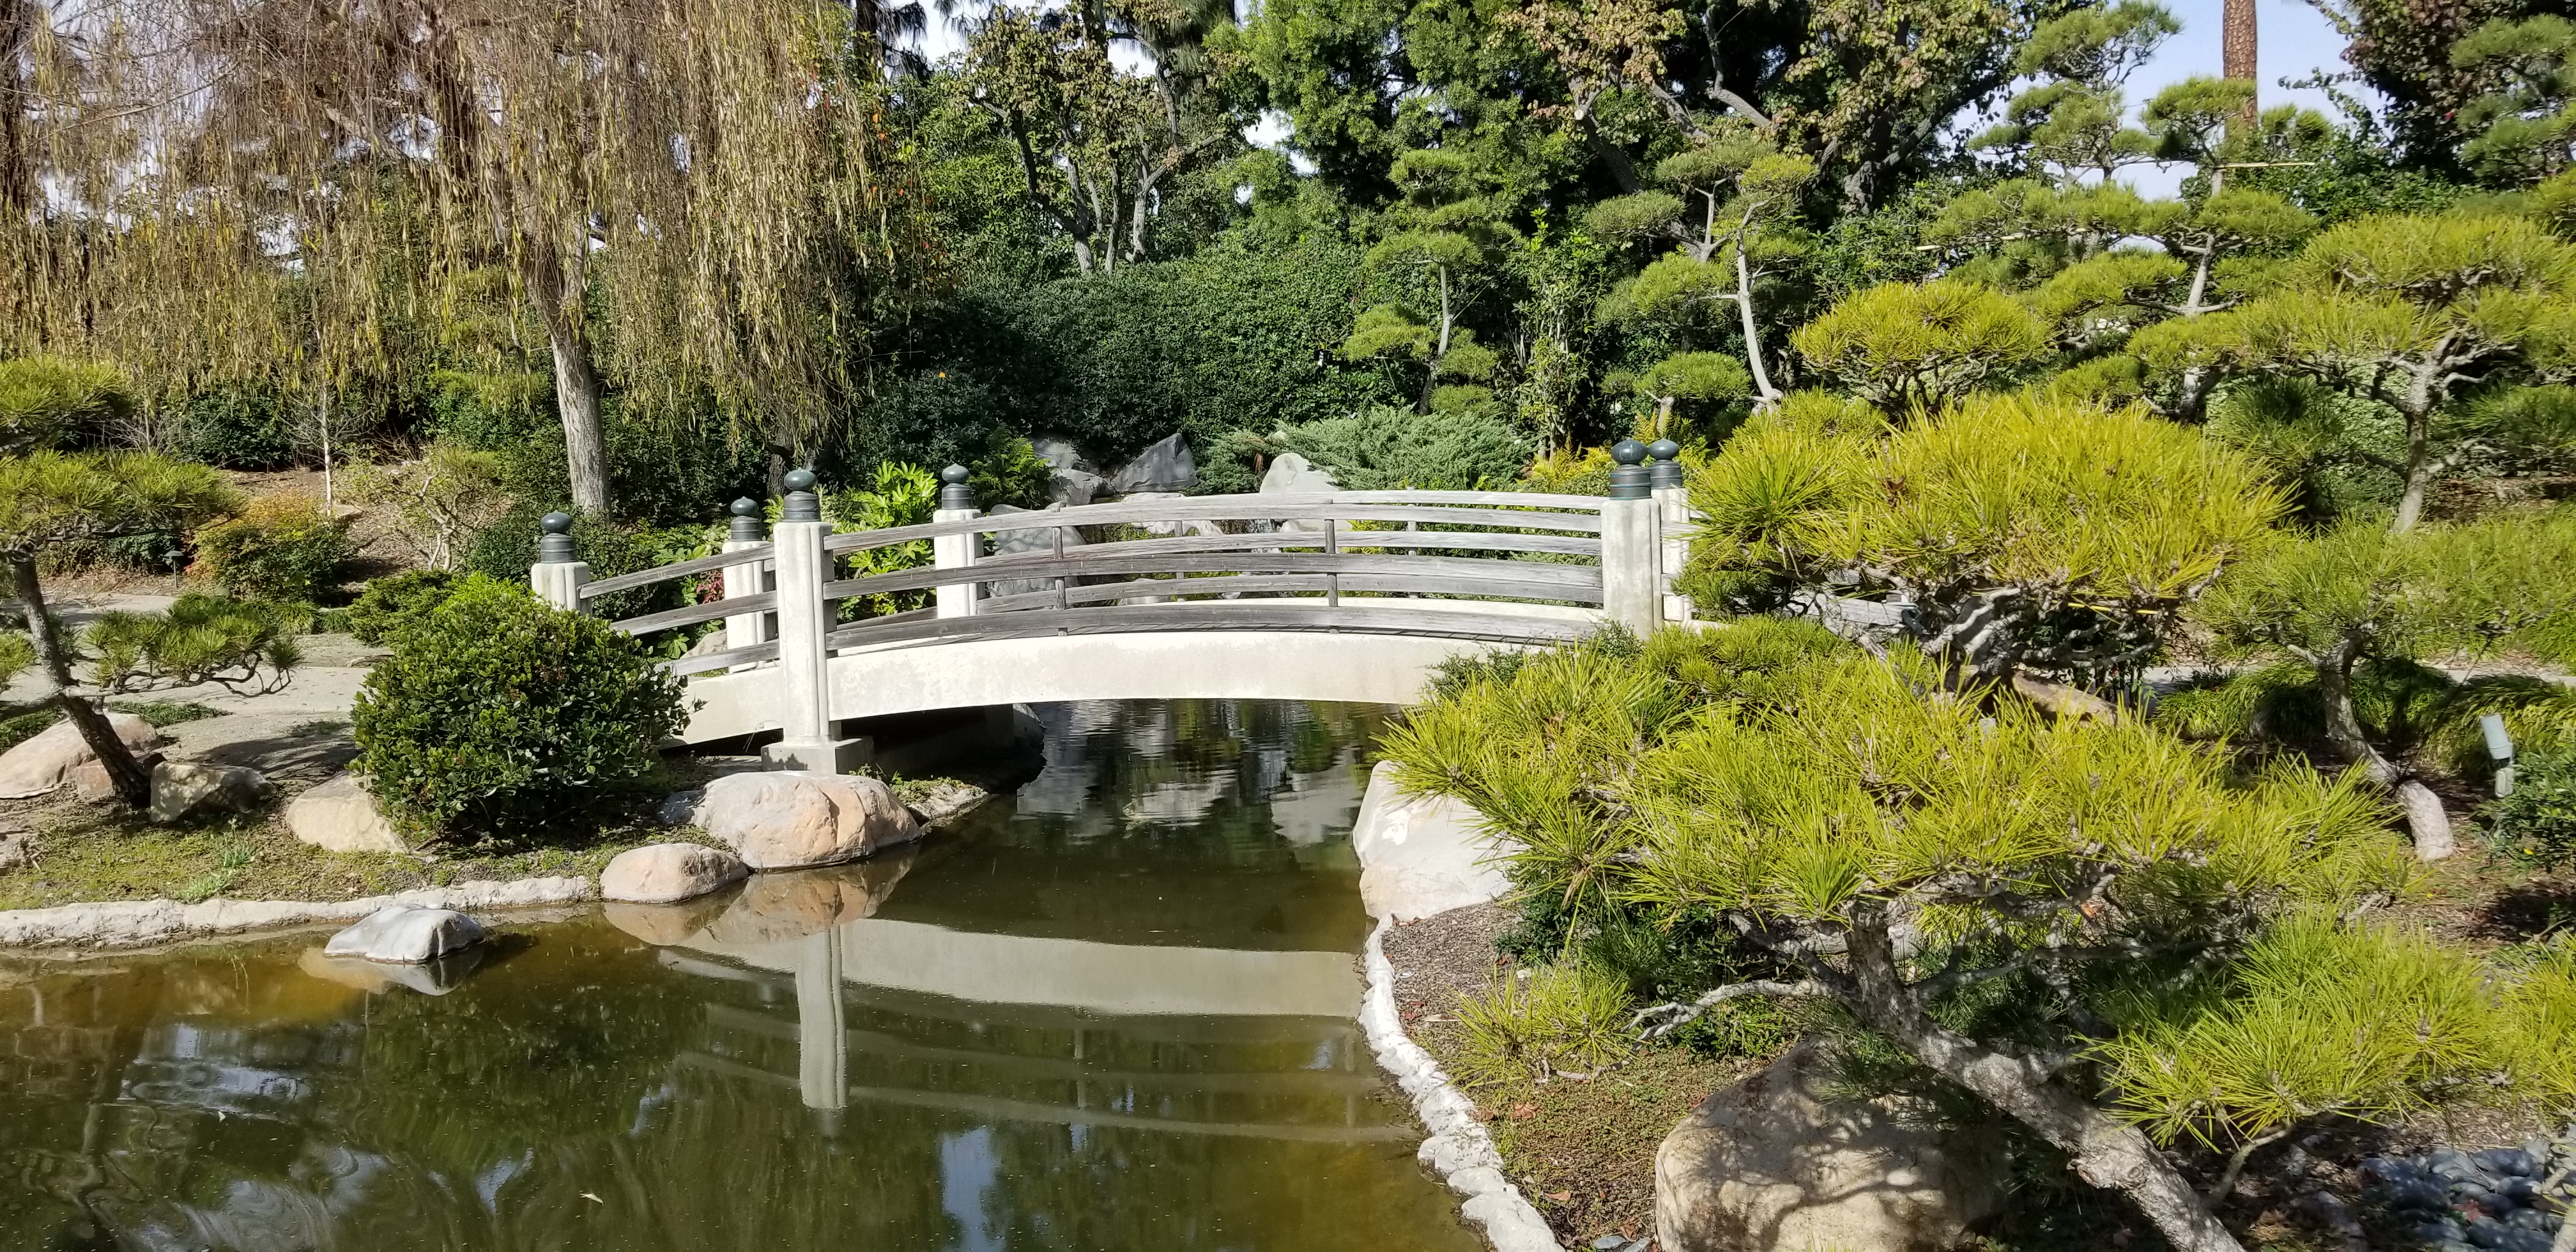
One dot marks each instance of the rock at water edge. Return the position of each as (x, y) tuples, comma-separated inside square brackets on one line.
[(1771, 1162), (340, 816), (403, 934), (47, 761), (790, 819), (663, 873), (1421, 855), (186, 790), (1166, 466)]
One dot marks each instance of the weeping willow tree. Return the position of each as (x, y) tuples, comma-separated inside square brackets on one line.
[(266, 185)]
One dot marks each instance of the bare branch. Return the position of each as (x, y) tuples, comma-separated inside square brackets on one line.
[(1675, 1016)]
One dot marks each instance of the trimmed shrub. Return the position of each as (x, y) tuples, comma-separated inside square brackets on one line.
[(278, 549), (500, 715), (1557, 1019), (1386, 447), (392, 604)]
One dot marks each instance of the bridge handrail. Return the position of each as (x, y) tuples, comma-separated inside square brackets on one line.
[(778, 591), (1235, 508)]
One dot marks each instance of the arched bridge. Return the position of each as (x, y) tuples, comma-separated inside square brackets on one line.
[(1346, 595)]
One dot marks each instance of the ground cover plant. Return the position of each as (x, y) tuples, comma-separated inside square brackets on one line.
[(2111, 936)]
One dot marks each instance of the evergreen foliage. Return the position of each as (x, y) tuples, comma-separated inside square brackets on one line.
[(245, 646), (46, 402), (394, 603), (2068, 877)]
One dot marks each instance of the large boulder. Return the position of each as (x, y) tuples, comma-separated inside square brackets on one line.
[(340, 816), (790, 819), (663, 873), (1075, 480), (406, 934), (1291, 474), (1166, 466), (1035, 541), (48, 761), (90, 781), (1778, 1161), (188, 790)]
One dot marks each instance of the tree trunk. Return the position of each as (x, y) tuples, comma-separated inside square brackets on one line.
[(2426, 822), (557, 291), (585, 443), (2237, 58), (1764, 396), (2106, 1152), (2419, 473), (54, 661)]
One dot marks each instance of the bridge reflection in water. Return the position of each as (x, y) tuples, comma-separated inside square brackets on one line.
[(1048, 1030)]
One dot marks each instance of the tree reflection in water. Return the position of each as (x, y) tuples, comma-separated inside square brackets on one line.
[(1103, 1022)]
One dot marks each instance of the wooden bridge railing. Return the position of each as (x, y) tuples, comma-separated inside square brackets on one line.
[(1506, 567)]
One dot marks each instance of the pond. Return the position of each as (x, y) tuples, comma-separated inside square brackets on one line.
[(1111, 1011)]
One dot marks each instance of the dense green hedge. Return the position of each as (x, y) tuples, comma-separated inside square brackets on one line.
[(498, 715)]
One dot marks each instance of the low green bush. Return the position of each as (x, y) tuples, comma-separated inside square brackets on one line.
[(498, 715), (278, 549), (393, 603), (238, 426), (2538, 820)]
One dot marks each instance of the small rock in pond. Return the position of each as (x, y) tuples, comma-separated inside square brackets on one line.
[(404, 934), (430, 978), (186, 790), (663, 873)]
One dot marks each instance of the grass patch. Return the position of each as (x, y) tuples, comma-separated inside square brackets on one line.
[(87, 853), (1584, 1152), (165, 712)]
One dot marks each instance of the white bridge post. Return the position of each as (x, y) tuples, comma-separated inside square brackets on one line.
[(804, 690), (956, 504), (560, 573), (1632, 588), (1672, 520), (744, 630)]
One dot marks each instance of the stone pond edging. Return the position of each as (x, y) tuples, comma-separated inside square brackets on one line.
[(1421, 856), (118, 924), (1458, 1150)]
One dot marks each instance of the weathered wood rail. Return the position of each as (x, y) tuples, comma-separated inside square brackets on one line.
[(1487, 568)]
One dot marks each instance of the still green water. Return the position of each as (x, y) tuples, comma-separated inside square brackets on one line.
[(1112, 1011)]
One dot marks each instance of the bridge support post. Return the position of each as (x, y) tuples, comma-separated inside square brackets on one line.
[(956, 504), (1672, 521), (560, 573), (1632, 587), (804, 693), (748, 579)]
